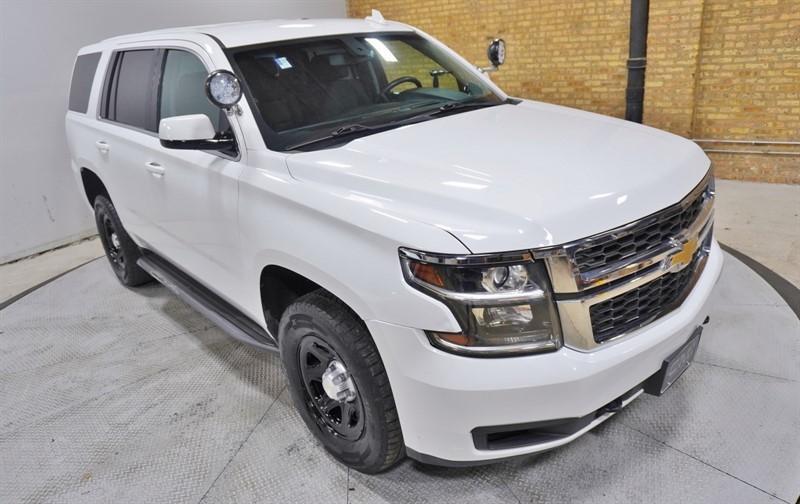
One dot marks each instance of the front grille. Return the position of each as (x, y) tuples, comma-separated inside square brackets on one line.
[(658, 230), (641, 305)]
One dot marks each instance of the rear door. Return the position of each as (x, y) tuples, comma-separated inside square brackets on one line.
[(125, 131)]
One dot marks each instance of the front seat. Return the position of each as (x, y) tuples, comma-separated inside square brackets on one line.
[(345, 92)]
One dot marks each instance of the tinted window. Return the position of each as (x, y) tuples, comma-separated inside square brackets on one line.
[(132, 89), (82, 78), (183, 90)]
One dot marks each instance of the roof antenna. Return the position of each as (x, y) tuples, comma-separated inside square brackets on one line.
[(376, 17)]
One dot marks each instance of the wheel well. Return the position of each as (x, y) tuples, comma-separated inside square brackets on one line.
[(93, 186), (279, 288)]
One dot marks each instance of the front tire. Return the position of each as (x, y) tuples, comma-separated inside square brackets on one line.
[(120, 249), (338, 383)]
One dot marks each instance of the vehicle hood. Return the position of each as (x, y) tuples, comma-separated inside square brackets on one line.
[(511, 177)]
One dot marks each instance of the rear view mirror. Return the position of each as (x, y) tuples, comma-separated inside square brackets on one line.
[(190, 132)]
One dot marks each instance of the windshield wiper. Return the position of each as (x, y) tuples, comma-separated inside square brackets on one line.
[(352, 129), (450, 107), (342, 131), (461, 105)]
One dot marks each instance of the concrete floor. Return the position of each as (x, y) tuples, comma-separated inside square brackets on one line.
[(118, 395), (19, 276), (763, 222)]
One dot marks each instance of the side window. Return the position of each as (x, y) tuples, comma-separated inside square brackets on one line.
[(82, 78), (131, 89), (183, 90)]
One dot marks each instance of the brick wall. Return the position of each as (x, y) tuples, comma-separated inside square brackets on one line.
[(748, 84), (673, 50), (716, 68)]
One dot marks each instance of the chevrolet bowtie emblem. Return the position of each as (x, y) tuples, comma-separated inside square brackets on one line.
[(684, 256)]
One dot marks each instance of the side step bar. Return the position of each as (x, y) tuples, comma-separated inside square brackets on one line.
[(202, 299)]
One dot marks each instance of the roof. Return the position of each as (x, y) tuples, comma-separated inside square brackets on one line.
[(257, 32)]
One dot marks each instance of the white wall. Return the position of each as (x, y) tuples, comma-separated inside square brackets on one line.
[(40, 205)]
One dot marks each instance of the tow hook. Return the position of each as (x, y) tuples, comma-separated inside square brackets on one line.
[(612, 407)]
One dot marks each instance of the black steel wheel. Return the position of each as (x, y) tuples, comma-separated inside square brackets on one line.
[(338, 382), (121, 251), (114, 247), (330, 393)]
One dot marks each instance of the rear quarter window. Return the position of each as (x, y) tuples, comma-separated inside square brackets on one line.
[(82, 78)]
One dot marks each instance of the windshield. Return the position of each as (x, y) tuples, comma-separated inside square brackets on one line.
[(304, 90)]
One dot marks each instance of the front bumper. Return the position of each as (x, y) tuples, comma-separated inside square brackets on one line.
[(441, 398)]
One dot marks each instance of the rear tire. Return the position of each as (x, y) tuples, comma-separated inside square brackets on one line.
[(319, 336), (120, 249)]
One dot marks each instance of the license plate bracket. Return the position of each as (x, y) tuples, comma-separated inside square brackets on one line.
[(674, 366)]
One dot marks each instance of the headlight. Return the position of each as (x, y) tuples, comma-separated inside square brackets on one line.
[(503, 303)]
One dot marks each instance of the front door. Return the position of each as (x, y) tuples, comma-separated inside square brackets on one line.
[(195, 192)]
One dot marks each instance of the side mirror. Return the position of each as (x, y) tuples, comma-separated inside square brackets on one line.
[(496, 54), (190, 132), (223, 89)]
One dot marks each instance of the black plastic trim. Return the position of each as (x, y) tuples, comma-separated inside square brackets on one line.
[(211, 305), (533, 433), (424, 458), (208, 145)]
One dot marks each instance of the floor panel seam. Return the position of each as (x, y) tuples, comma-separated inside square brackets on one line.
[(746, 371), (511, 490), (702, 462), (347, 496), (244, 442)]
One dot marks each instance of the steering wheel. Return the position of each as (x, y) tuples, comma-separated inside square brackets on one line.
[(398, 81)]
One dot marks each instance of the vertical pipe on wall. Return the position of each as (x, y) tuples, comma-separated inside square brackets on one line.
[(637, 60)]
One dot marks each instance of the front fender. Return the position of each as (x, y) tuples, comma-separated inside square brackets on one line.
[(341, 243)]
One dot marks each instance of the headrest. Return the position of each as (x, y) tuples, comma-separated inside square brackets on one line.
[(338, 60)]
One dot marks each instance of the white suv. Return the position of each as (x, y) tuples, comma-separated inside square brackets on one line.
[(447, 272)]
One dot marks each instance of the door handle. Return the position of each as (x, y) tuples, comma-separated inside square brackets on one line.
[(156, 169), (102, 146)]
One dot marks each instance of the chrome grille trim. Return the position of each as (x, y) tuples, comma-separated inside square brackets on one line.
[(565, 275), (577, 291), (576, 322)]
